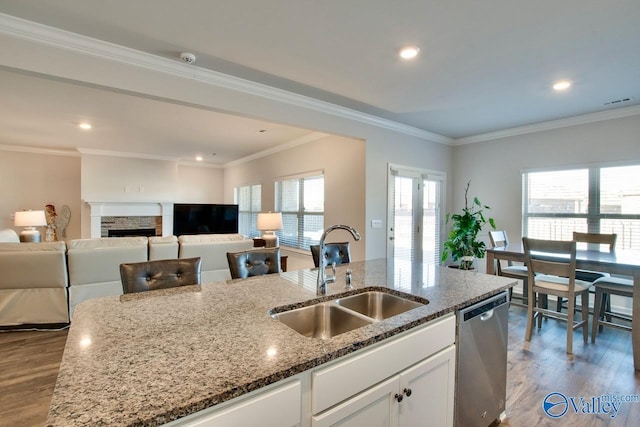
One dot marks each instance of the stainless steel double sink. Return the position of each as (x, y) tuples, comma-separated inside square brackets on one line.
[(330, 318)]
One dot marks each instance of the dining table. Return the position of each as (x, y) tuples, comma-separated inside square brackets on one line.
[(620, 262)]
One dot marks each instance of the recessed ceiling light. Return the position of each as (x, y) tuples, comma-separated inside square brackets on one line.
[(198, 158), (85, 126), (562, 85), (409, 52)]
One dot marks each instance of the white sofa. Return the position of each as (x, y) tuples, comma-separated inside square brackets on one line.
[(36, 277), (213, 248), (94, 266), (33, 283), (163, 247)]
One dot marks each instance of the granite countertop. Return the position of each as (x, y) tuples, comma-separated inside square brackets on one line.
[(146, 359)]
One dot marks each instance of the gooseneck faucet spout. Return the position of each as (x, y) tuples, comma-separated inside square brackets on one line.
[(323, 279)]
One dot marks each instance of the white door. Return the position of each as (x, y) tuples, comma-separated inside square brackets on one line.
[(374, 407), (415, 209), (428, 390)]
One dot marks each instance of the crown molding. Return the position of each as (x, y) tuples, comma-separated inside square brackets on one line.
[(195, 164), (294, 143), (43, 34), (40, 150), (554, 124), (146, 156)]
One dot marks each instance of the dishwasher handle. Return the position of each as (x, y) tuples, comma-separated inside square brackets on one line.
[(483, 309), (487, 315)]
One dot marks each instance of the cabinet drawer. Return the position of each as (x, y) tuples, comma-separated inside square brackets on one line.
[(335, 383), (278, 407)]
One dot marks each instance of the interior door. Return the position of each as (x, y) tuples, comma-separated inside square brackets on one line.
[(414, 225)]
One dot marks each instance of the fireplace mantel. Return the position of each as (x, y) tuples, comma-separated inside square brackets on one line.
[(100, 209)]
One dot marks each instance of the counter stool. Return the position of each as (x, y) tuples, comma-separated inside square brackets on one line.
[(605, 287), (159, 274)]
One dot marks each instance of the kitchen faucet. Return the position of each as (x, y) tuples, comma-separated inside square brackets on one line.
[(323, 279)]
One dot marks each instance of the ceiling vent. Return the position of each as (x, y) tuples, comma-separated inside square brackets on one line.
[(617, 101)]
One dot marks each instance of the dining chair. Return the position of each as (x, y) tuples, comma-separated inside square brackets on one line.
[(499, 239), (159, 274), (333, 252), (254, 262), (552, 271), (590, 240), (602, 313)]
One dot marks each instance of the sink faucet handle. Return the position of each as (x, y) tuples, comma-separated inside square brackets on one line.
[(333, 268), (348, 280)]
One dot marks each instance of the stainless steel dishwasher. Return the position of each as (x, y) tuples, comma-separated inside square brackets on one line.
[(481, 377)]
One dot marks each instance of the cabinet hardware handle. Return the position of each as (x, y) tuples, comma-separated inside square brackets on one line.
[(407, 391), (398, 397)]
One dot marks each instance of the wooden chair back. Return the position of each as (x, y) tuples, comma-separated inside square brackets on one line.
[(551, 257), (498, 238), (609, 240)]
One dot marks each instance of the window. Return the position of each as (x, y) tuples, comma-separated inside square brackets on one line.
[(248, 199), (301, 201), (596, 199)]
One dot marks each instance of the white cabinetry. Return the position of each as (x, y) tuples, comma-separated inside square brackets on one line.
[(278, 406), (428, 389), (403, 381), (420, 395), (408, 381)]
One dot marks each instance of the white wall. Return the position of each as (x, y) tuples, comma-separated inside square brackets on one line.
[(400, 151), (200, 184), (111, 179), (31, 181), (494, 167), (120, 179), (343, 162)]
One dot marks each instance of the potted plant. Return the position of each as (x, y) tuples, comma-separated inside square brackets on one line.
[(462, 244)]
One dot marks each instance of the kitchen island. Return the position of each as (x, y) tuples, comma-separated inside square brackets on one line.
[(150, 358)]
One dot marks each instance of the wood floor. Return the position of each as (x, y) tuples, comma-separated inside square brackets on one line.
[(29, 363)]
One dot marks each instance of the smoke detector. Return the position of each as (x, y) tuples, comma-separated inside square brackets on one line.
[(187, 57)]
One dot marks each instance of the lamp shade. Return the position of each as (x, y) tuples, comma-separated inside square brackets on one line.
[(30, 219), (270, 221)]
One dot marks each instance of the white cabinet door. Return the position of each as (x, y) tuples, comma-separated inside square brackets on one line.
[(375, 407), (278, 407), (428, 389)]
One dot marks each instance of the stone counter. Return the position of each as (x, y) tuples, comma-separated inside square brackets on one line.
[(146, 359)]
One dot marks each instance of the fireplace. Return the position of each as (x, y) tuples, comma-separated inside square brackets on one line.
[(146, 232), (127, 217)]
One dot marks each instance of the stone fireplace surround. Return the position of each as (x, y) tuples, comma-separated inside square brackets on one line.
[(98, 210)]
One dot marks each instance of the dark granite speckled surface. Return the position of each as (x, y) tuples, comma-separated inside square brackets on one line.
[(146, 359)]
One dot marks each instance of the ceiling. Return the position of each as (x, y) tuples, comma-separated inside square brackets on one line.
[(482, 67)]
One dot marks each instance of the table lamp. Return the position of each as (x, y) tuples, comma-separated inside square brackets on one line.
[(269, 223), (30, 220)]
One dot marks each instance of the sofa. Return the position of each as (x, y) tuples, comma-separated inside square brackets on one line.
[(33, 283), (212, 249), (44, 282), (94, 266)]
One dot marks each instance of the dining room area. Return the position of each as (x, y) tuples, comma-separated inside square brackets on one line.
[(571, 289)]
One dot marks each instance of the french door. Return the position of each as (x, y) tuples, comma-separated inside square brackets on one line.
[(415, 213)]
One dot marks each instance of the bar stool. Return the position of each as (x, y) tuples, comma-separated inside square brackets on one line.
[(552, 271), (499, 239), (605, 287)]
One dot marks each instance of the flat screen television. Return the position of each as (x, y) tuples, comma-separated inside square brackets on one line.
[(204, 219)]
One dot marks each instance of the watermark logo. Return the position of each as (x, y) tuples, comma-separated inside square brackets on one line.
[(556, 404)]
